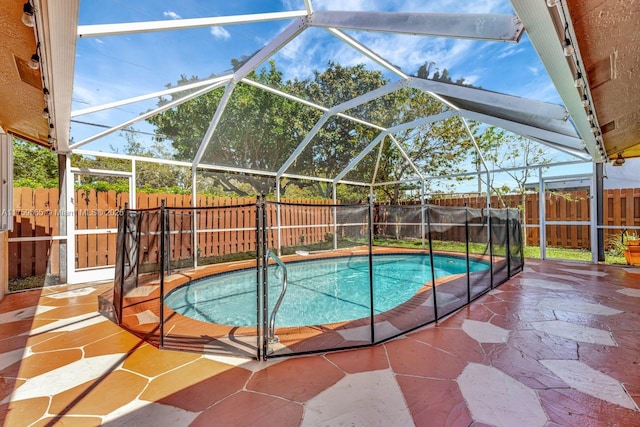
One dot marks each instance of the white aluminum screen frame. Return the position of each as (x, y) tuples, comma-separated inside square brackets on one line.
[(6, 179)]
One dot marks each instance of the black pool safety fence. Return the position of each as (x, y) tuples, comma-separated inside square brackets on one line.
[(270, 279)]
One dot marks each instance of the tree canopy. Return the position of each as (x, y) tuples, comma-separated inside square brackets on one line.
[(34, 166), (259, 130)]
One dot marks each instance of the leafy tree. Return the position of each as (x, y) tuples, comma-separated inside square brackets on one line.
[(34, 166), (505, 150), (155, 177), (436, 149), (258, 130), (150, 177), (339, 140)]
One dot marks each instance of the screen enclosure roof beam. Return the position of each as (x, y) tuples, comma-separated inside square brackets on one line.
[(409, 125), (491, 99), (564, 143), (490, 27), (165, 107), (362, 99), (99, 30), (367, 52), (269, 49), (158, 94)]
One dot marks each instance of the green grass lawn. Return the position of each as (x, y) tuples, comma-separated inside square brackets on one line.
[(529, 251)]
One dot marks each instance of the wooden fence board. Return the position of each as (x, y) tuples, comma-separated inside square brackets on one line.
[(42, 229)]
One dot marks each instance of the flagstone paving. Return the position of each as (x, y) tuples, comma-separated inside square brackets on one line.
[(556, 345)]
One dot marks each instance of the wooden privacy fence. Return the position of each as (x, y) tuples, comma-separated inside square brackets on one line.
[(36, 217), (621, 208)]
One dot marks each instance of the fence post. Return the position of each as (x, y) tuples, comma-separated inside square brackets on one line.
[(371, 300), (433, 270), (265, 286), (162, 264), (335, 218), (466, 239), (422, 197), (508, 225), (122, 228), (489, 222)]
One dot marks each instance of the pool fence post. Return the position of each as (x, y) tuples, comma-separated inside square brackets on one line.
[(508, 245), (490, 223), (371, 200), (433, 270), (422, 197), (466, 238), (265, 279), (522, 240), (258, 276), (162, 264), (122, 224), (278, 218)]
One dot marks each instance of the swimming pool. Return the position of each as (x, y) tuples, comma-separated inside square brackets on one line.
[(321, 291)]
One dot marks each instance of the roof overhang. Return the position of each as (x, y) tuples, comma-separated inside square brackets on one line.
[(21, 110), (605, 36)]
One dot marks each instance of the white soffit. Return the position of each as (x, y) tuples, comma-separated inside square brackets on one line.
[(538, 20), (60, 19)]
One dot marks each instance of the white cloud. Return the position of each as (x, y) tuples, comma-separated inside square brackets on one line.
[(509, 51), (353, 5), (534, 70), (171, 14), (410, 52), (220, 33)]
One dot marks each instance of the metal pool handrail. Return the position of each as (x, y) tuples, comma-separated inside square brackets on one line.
[(272, 319)]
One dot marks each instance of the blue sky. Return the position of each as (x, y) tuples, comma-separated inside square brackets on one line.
[(118, 67), (149, 61)]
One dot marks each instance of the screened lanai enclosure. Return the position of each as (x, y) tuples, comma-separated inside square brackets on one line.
[(302, 145)]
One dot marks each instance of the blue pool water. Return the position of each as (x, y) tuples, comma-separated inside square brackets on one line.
[(320, 291)]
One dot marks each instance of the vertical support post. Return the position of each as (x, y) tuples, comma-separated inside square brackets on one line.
[(433, 270), (466, 239), (6, 181), (422, 197), (521, 246), (194, 215), (123, 254), (167, 243), (488, 189), (597, 214), (542, 213), (265, 281), (63, 206), (490, 224), (479, 174), (259, 274), (508, 227), (69, 204), (371, 296), (278, 218), (163, 226), (132, 185), (335, 217)]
